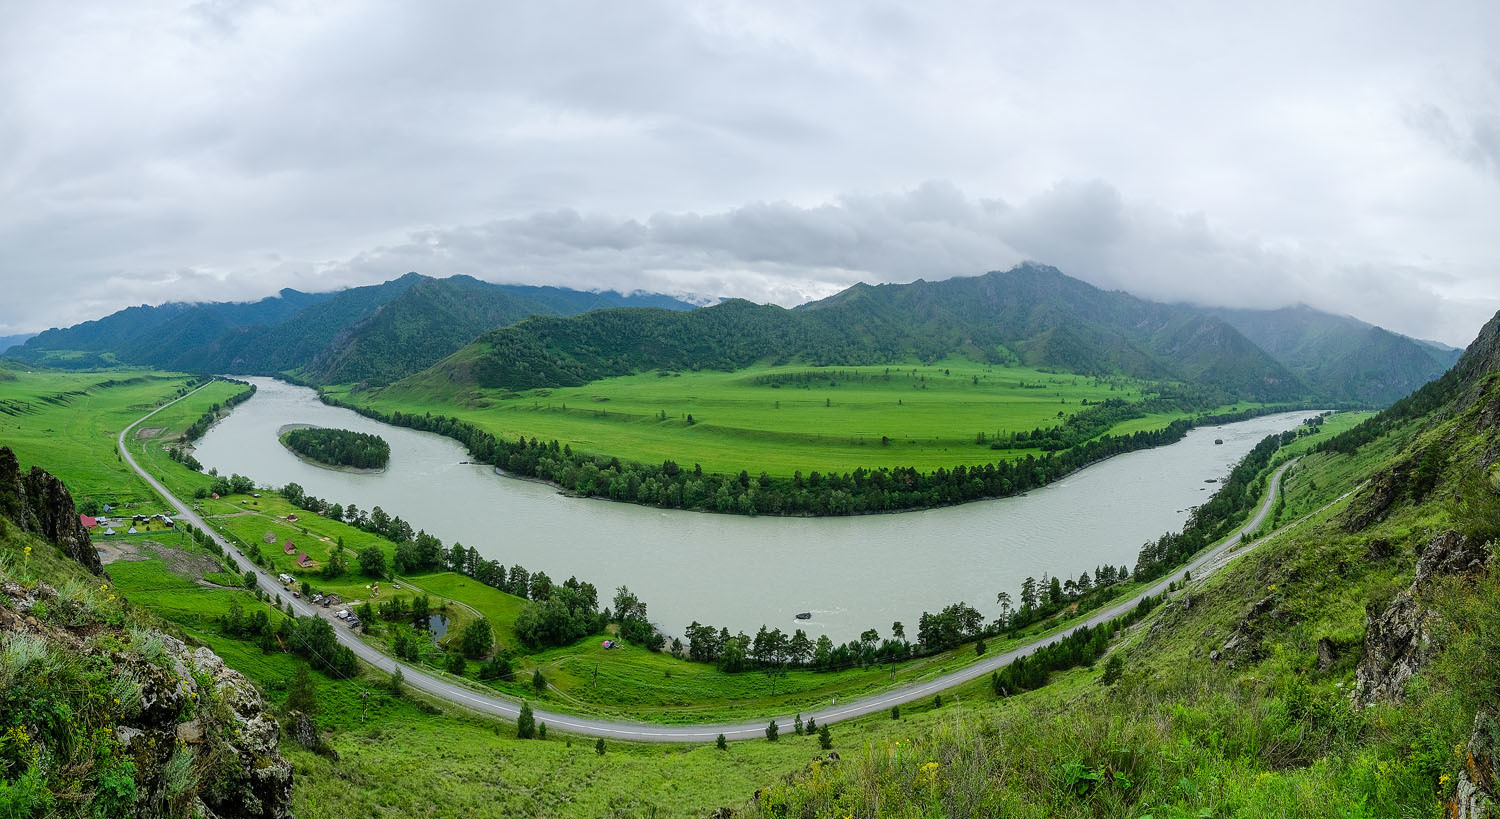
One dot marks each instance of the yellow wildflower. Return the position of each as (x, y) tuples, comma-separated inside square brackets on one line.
[(1443, 780)]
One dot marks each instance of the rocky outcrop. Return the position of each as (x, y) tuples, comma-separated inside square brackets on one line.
[(1477, 791), (1398, 637), (198, 733), (39, 503), (1244, 645)]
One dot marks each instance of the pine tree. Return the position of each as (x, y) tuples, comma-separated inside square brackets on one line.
[(302, 694), (526, 723), (721, 743), (599, 746), (772, 731), (825, 738)]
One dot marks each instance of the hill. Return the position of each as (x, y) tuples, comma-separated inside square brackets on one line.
[(1344, 355), (377, 332), (1032, 314), (1347, 667)]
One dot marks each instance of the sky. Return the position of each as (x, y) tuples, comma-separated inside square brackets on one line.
[(1344, 155)]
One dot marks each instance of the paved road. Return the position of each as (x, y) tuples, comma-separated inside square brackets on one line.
[(642, 732)]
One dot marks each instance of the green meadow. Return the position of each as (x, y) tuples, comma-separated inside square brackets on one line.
[(781, 419)]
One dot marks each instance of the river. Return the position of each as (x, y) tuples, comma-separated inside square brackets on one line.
[(852, 573)]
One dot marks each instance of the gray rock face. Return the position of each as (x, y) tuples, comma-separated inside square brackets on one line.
[(39, 503), (1478, 788), (1398, 638)]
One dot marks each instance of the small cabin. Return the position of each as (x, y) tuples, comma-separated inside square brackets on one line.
[(304, 561), (288, 548)]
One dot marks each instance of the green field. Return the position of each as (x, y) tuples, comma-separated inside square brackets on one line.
[(68, 422), (786, 418)]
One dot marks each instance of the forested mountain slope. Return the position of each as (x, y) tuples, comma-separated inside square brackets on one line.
[(1345, 355), (1032, 314), (377, 332)]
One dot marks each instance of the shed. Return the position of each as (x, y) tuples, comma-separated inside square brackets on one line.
[(304, 561), (288, 548)]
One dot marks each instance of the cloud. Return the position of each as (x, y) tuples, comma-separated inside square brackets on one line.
[(211, 149)]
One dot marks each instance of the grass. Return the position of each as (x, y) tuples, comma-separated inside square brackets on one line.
[(67, 422), (785, 418)]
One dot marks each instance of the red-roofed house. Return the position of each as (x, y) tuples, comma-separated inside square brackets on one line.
[(288, 548), (291, 516), (88, 522), (304, 561)]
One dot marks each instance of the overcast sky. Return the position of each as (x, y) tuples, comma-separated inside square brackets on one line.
[(1346, 155)]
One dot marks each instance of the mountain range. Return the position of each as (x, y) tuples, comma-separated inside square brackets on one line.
[(373, 333), (1032, 314), (461, 332)]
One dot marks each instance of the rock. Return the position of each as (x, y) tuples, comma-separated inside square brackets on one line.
[(1327, 654), (1379, 549), (1397, 638), (1478, 788), (229, 729), (1449, 553), (39, 503), (301, 728), (1371, 505), (190, 732)]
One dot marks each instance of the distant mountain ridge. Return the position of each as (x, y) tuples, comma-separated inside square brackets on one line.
[(373, 333), (1031, 314), (1345, 355)]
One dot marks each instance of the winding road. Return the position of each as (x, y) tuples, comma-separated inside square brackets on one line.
[(644, 732)]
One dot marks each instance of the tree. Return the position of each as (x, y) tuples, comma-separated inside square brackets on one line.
[(772, 731), (721, 743), (1113, 670), (396, 682), (895, 712), (825, 737), (979, 647), (599, 745), (538, 681), (478, 638), (526, 722), (456, 664), (541, 730), (302, 694), (797, 725), (812, 725), (372, 561), (898, 631)]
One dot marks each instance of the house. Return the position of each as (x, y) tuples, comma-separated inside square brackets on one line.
[(88, 522), (304, 561), (288, 548), (108, 508), (292, 516)]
